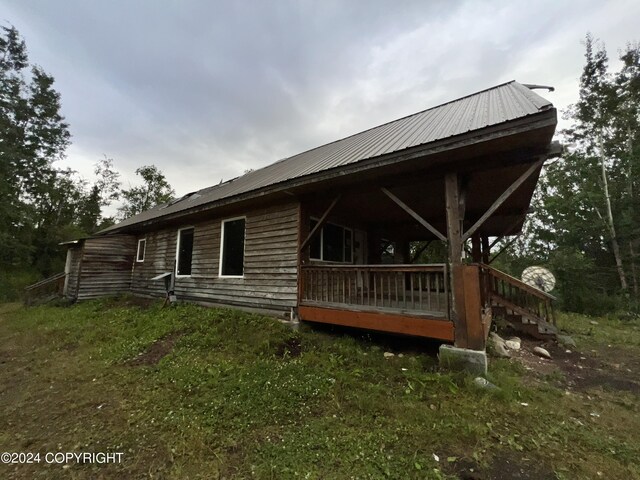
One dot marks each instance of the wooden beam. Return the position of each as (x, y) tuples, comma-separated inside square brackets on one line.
[(473, 307), (454, 227), (501, 251), (382, 322), (476, 251), (321, 222), (501, 199), (415, 215), (506, 231), (486, 248)]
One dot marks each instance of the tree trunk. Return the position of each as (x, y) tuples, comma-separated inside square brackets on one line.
[(612, 229)]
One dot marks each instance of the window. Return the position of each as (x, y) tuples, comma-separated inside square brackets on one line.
[(142, 245), (232, 248), (332, 244), (184, 252)]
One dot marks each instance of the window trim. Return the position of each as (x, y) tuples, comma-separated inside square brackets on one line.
[(178, 250), (144, 250), (321, 233), (244, 246)]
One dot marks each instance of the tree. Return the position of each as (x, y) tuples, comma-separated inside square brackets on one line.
[(33, 135), (587, 220), (154, 191), (101, 194)]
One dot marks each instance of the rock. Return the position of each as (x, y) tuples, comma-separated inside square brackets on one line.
[(500, 350), (566, 340), (388, 354), (593, 322), (541, 352), (513, 343), (496, 346), (494, 336), (484, 383)]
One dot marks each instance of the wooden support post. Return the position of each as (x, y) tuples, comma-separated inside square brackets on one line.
[(486, 249), (454, 242), (476, 251), (473, 307)]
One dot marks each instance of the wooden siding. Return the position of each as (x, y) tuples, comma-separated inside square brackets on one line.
[(270, 262), (105, 266), (74, 253)]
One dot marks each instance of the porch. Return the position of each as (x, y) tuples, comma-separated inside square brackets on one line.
[(416, 300), (406, 299)]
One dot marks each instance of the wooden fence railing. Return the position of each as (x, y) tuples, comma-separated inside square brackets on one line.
[(509, 292), (414, 289), (46, 289)]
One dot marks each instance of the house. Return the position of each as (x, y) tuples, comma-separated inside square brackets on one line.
[(325, 235)]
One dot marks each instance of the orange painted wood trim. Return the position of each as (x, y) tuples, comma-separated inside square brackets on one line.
[(473, 307), (382, 322)]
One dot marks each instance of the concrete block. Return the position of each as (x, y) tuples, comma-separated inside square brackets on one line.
[(463, 359)]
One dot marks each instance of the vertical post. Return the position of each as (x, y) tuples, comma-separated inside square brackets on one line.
[(485, 249), (454, 241), (476, 252)]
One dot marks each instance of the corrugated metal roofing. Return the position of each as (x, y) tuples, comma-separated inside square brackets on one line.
[(489, 107)]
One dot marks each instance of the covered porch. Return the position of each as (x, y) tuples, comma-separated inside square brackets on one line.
[(407, 249)]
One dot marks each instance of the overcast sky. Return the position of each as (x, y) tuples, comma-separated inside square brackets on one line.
[(206, 89)]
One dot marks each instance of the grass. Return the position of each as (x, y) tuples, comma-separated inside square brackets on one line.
[(243, 396)]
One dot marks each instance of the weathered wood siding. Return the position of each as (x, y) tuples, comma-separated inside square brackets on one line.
[(105, 266), (74, 253), (270, 262)]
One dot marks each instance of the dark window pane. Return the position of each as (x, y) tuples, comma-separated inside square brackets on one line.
[(333, 243), (347, 245), (316, 242), (233, 247), (185, 250)]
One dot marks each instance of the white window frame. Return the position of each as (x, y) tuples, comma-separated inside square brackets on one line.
[(144, 250), (322, 243), (244, 246), (178, 250)]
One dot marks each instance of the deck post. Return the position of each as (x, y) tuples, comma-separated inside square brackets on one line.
[(486, 249), (476, 251), (466, 305), (454, 243)]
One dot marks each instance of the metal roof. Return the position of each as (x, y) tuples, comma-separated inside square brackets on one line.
[(489, 107)]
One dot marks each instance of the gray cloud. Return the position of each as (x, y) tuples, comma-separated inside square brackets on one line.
[(206, 90)]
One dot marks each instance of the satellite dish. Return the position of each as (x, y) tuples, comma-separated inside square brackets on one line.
[(539, 277)]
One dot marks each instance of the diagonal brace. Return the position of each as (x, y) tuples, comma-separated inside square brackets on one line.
[(320, 223), (415, 215), (502, 198)]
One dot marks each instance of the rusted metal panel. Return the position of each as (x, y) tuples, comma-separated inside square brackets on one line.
[(491, 107)]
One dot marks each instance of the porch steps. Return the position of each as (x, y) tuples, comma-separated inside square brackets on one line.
[(525, 323)]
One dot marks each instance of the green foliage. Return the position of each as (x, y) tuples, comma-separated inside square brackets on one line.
[(155, 190), (226, 400), (586, 225)]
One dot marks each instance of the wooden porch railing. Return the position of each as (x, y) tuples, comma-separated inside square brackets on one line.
[(499, 288), (46, 289), (407, 289)]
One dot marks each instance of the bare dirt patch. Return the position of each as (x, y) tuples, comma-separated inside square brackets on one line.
[(290, 347), (159, 349), (609, 368)]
